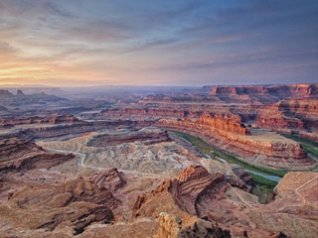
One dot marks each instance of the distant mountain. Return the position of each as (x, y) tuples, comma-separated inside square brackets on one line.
[(260, 93), (9, 99)]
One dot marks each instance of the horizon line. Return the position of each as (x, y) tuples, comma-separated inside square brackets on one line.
[(9, 86)]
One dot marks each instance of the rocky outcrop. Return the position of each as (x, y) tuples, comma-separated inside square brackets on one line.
[(193, 202), (20, 99), (177, 203), (264, 92), (224, 123), (273, 119), (76, 128), (109, 179), (173, 227), (193, 187), (252, 94), (300, 187), (5, 94), (10, 121), (291, 114), (143, 113), (18, 153), (220, 124), (269, 149), (72, 205), (145, 135), (169, 226), (20, 93)]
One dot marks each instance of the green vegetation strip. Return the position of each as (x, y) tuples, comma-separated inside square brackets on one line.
[(264, 187), (263, 181), (309, 146), (214, 151)]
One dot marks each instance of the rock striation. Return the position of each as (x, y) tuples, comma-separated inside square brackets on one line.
[(10, 121), (146, 135), (270, 149), (264, 93), (195, 200), (193, 187), (224, 123), (234, 129), (18, 153), (291, 115), (111, 180), (72, 205)]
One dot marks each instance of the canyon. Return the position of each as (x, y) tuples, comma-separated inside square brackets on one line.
[(212, 161)]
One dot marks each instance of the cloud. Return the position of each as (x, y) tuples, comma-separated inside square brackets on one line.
[(99, 30), (6, 48), (166, 41), (149, 44), (32, 8)]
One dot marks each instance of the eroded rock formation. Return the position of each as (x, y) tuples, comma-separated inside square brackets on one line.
[(20, 152), (10, 121), (292, 115), (13, 100), (147, 136), (72, 205), (173, 227), (109, 179), (273, 149), (197, 193), (270, 93)]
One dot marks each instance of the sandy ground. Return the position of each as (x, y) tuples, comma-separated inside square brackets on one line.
[(160, 158)]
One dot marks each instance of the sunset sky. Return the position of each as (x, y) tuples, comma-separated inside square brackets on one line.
[(148, 42)]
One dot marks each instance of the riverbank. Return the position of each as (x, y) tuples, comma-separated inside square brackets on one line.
[(265, 178)]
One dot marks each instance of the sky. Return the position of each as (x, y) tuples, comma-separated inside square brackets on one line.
[(158, 42)]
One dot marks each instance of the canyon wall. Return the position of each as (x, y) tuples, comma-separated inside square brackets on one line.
[(269, 149), (10, 121), (279, 91), (19, 152), (226, 131), (298, 116)]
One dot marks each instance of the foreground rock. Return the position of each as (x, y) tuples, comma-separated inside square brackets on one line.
[(197, 193), (69, 207), (195, 203), (20, 153), (299, 193), (174, 227)]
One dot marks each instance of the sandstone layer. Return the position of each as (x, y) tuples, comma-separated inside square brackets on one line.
[(18, 153), (274, 151), (197, 193), (269, 149)]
